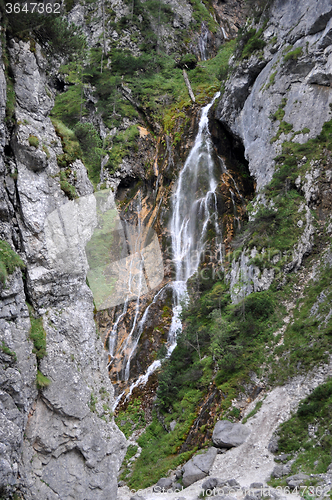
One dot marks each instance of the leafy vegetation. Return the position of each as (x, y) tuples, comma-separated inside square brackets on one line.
[(8, 351), (160, 449), (293, 55), (307, 339), (134, 85), (222, 343), (133, 416), (250, 41), (37, 335), (51, 31), (9, 261), (41, 380), (33, 141)]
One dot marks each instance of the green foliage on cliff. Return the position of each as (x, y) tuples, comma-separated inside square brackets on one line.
[(9, 261), (51, 31), (37, 335), (132, 418), (293, 55), (307, 340), (230, 337), (160, 449), (201, 12), (92, 148), (250, 41), (41, 380), (8, 351), (69, 106)]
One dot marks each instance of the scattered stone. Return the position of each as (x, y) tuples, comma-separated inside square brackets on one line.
[(121, 483), (198, 467), (178, 474), (273, 446), (281, 470), (222, 450), (164, 482), (329, 467), (226, 434), (297, 480), (137, 497), (233, 484), (252, 496), (210, 483), (177, 486), (283, 457), (256, 486)]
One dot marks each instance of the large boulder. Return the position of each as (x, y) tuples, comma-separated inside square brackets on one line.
[(226, 434), (198, 467)]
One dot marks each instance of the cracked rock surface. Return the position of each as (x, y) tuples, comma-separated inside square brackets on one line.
[(58, 442)]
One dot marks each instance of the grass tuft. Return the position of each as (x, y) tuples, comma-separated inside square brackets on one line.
[(9, 261)]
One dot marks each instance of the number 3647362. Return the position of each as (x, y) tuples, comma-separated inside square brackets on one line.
[(31, 7)]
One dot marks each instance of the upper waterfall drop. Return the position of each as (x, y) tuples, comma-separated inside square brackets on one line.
[(193, 201)]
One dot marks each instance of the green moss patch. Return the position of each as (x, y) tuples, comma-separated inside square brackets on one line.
[(33, 141)]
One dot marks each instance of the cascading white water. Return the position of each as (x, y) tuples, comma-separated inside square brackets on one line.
[(194, 204), (203, 42)]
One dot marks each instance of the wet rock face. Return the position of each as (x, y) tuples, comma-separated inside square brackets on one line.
[(60, 440), (258, 85)]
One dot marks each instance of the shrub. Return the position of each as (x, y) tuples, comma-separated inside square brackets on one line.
[(293, 55), (68, 188), (9, 261), (37, 335), (251, 42), (41, 380)]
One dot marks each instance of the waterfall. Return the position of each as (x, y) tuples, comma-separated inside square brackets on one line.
[(203, 42), (194, 205), (194, 202)]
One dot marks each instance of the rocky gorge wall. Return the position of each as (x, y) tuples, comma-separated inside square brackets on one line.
[(58, 440), (260, 83), (58, 437)]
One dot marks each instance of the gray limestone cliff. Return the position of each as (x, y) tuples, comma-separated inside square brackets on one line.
[(277, 94), (258, 85), (58, 441)]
